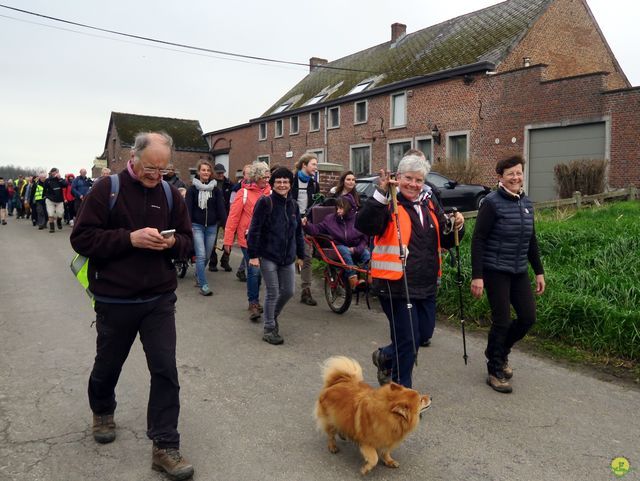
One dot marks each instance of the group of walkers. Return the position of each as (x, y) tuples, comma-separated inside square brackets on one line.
[(401, 230)]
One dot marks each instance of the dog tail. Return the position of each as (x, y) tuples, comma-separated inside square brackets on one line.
[(339, 368)]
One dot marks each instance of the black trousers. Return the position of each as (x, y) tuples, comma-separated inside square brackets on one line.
[(117, 326), (503, 291)]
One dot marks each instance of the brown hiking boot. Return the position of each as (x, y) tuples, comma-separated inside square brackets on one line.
[(499, 383), (306, 298), (254, 312), (104, 428), (507, 369), (170, 461)]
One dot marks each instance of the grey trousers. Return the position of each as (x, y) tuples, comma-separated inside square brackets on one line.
[(305, 272), (279, 282)]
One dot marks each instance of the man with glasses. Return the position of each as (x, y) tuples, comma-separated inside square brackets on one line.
[(133, 285)]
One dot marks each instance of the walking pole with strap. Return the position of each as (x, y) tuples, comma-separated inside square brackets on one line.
[(456, 238), (403, 263)]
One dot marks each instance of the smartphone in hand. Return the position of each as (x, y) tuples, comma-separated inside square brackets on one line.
[(167, 233)]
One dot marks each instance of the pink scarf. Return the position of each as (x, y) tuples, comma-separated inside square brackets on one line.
[(130, 170)]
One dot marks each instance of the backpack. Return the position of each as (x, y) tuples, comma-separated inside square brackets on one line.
[(80, 264)]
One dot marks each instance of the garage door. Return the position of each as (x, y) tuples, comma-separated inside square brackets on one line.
[(548, 147)]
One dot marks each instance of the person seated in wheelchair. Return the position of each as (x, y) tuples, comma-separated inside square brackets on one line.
[(350, 242)]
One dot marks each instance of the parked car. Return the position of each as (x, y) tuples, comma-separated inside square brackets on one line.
[(464, 197)]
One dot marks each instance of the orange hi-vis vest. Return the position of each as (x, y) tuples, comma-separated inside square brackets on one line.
[(385, 257)]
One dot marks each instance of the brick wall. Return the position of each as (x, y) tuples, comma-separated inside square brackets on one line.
[(624, 107), (566, 38)]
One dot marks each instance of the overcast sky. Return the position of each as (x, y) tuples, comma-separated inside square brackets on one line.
[(59, 83)]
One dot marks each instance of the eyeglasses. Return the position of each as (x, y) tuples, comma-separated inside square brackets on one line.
[(281, 181), (512, 175), (154, 170)]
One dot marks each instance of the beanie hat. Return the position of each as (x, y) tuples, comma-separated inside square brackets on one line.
[(281, 173)]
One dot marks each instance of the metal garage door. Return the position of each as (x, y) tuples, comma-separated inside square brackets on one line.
[(548, 147)]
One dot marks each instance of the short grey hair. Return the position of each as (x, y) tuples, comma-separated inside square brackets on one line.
[(257, 171), (143, 139), (414, 163)]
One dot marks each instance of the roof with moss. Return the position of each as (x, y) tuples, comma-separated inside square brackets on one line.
[(487, 35), (186, 134)]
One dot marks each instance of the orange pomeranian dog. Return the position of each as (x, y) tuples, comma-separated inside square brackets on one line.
[(376, 419)]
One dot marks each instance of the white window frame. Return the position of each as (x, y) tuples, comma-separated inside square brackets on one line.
[(329, 118), (425, 137), (359, 146), (262, 131), (311, 129), (277, 134), (458, 133), (396, 141), (316, 99), (319, 154), (355, 112), (392, 123), (260, 158), (291, 130), (281, 108)]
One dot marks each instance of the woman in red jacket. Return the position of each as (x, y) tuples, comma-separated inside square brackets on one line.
[(69, 206)]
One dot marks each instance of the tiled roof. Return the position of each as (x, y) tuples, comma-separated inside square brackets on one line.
[(486, 35), (186, 134)]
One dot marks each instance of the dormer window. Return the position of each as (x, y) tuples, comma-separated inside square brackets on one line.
[(282, 108), (361, 87), (316, 99)]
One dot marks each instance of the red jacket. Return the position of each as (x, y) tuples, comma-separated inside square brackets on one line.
[(66, 191), (241, 212)]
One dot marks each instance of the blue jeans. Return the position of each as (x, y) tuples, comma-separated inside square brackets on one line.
[(204, 238), (280, 284), (253, 279), (349, 258), (424, 321)]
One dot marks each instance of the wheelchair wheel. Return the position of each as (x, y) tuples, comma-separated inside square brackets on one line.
[(337, 291)]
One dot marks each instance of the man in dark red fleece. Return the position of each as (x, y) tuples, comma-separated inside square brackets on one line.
[(133, 281)]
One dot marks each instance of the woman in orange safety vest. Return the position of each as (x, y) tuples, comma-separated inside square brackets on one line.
[(424, 230)]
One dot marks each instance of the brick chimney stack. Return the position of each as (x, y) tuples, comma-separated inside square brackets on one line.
[(314, 62), (398, 30)]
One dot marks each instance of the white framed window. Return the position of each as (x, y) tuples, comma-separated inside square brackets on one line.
[(314, 121), (319, 154), (360, 112), (398, 110), (425, 145), (294, 125), (361, 87), (281, 108), (263, 158), (316, 99), (278, 128), (458, 147), (397, 149), (334, 118), (361, 159), (262, 131)]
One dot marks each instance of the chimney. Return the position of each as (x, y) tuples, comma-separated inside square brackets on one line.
[(314, 62), (398, 30)]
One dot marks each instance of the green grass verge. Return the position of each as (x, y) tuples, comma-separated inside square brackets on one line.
[(592, 272)]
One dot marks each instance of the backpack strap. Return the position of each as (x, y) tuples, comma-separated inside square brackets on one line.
[(115, 189)]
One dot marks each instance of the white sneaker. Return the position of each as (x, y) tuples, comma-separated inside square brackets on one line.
[(71, 223)]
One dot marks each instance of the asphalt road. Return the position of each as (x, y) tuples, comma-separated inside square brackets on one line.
[(247, 406)]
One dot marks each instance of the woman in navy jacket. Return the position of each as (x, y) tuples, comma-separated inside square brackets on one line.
[(503, 245), (205, 205), (275, 240)]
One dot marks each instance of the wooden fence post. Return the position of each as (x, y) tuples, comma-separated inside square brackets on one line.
[(578, 197)]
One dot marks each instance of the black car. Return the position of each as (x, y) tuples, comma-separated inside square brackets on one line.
[(464, 197)]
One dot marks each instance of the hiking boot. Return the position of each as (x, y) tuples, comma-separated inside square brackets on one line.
[(205, 291), (261, 310), (507, 370), (59, 222), (425, 343), (254, 312), (170, 461), (384, 376), (499, 382), (224, 263), (40, 227), (52, 227), (306, 297), (104, 428), (213, 268), (272, 337), (242, 277)]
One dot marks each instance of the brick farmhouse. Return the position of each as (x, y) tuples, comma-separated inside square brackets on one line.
[(529, 77)]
